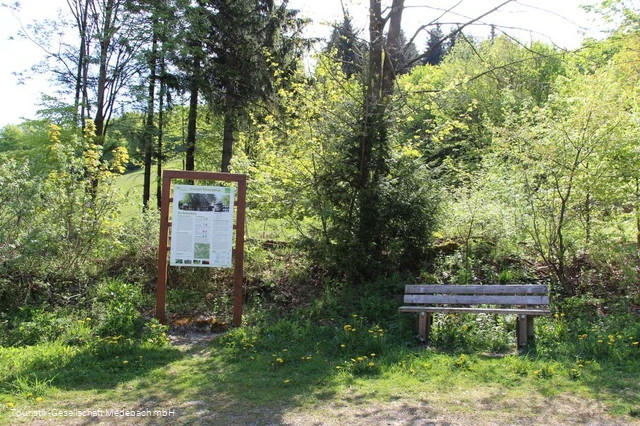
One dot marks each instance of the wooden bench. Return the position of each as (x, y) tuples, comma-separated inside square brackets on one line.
[(525, 301)]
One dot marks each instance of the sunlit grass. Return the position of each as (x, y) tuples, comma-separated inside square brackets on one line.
[(292, 364)]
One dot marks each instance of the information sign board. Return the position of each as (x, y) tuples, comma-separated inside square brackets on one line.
[(202, 230)]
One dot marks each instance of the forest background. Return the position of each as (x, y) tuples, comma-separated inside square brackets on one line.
[(473, 161)]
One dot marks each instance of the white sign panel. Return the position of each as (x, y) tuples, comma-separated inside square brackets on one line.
[(202, 230)]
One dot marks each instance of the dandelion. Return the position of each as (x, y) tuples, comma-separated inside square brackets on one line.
[(600, 341), (38, 399), (338, 367), (279, 360), (9, 404), (372, 355), (635, 343), (88, 319), (285, 350), (342, 346), (125, 362), (286, 381), (371, 364)]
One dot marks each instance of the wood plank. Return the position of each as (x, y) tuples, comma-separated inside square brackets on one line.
[(476, 300), (448, 310), (521, 334), (424, 326), (477, 289)]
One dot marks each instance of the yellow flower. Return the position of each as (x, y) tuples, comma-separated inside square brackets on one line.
[(338, 367), (371, 364), (373, 354), (280, 360), (342, 346), (9, 404), (38, 399), (635, 343), (125, 362), (600, 341), (286, 381)]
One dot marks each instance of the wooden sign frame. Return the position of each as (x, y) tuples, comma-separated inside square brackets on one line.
[(163, 248)]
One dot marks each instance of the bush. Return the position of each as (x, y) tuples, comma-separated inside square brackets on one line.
[(117, 308)]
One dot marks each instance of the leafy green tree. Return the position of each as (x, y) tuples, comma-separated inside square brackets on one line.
[(346, 47), (246, 35), (560, 157)]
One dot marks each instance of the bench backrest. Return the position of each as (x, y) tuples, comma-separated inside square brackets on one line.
[(477, 295)]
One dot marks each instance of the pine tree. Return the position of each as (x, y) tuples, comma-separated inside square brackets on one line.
[(346, 47), (436, 47)]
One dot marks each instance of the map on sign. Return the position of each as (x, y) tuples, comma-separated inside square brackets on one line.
[(202, 231)]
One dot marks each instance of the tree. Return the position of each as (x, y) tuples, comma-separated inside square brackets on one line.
[(247, 35), (346, 48), (436, 49), (560, 158)]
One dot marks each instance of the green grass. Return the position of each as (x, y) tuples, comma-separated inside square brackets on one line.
[(131, 184), (298, 365)]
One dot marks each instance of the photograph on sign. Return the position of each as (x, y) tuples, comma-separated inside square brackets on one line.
[(202, 231)]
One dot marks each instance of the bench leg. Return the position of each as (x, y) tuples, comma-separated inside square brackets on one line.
[(530, 326), (424, 326), (521, 331)]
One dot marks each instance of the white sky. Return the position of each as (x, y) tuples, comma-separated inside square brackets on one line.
[(555, 21)]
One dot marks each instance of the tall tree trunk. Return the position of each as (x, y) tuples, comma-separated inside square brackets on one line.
[(149, 127), (227, 139), (193, 116), (80, 11), (105, 42), (159, 153)]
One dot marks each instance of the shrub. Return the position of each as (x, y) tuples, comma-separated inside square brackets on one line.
[(117, 308)]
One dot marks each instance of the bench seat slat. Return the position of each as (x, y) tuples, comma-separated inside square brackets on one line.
[(477, 289), (476, 300), (447, 310)]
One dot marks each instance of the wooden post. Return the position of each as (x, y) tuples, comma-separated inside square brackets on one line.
[(530, 331), (238, 289), (424, 326), (521, 332), (163, 246)]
